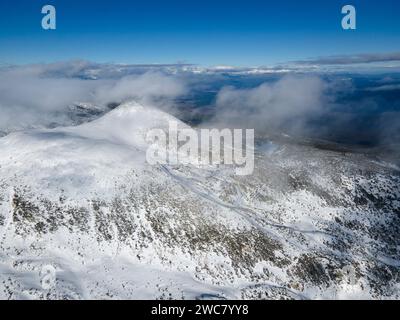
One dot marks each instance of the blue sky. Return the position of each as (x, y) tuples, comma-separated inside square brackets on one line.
[(241, 33)]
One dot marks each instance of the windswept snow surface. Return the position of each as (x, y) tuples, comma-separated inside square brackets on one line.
[(83, 203)]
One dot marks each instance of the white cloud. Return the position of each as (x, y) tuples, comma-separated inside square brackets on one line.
[(37, 95), (149, 86), (288, 102)]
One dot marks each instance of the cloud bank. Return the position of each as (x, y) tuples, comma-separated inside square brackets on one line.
[(326, 107), (309, 106), (352, 59), (37, 95), (288, 103)]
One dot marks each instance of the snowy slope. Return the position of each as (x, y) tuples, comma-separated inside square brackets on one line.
[(83, 203)]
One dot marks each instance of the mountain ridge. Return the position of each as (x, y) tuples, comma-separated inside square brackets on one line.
[(307, 224)]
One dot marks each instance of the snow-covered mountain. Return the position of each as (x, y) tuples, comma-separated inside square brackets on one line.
[(81, 205)]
